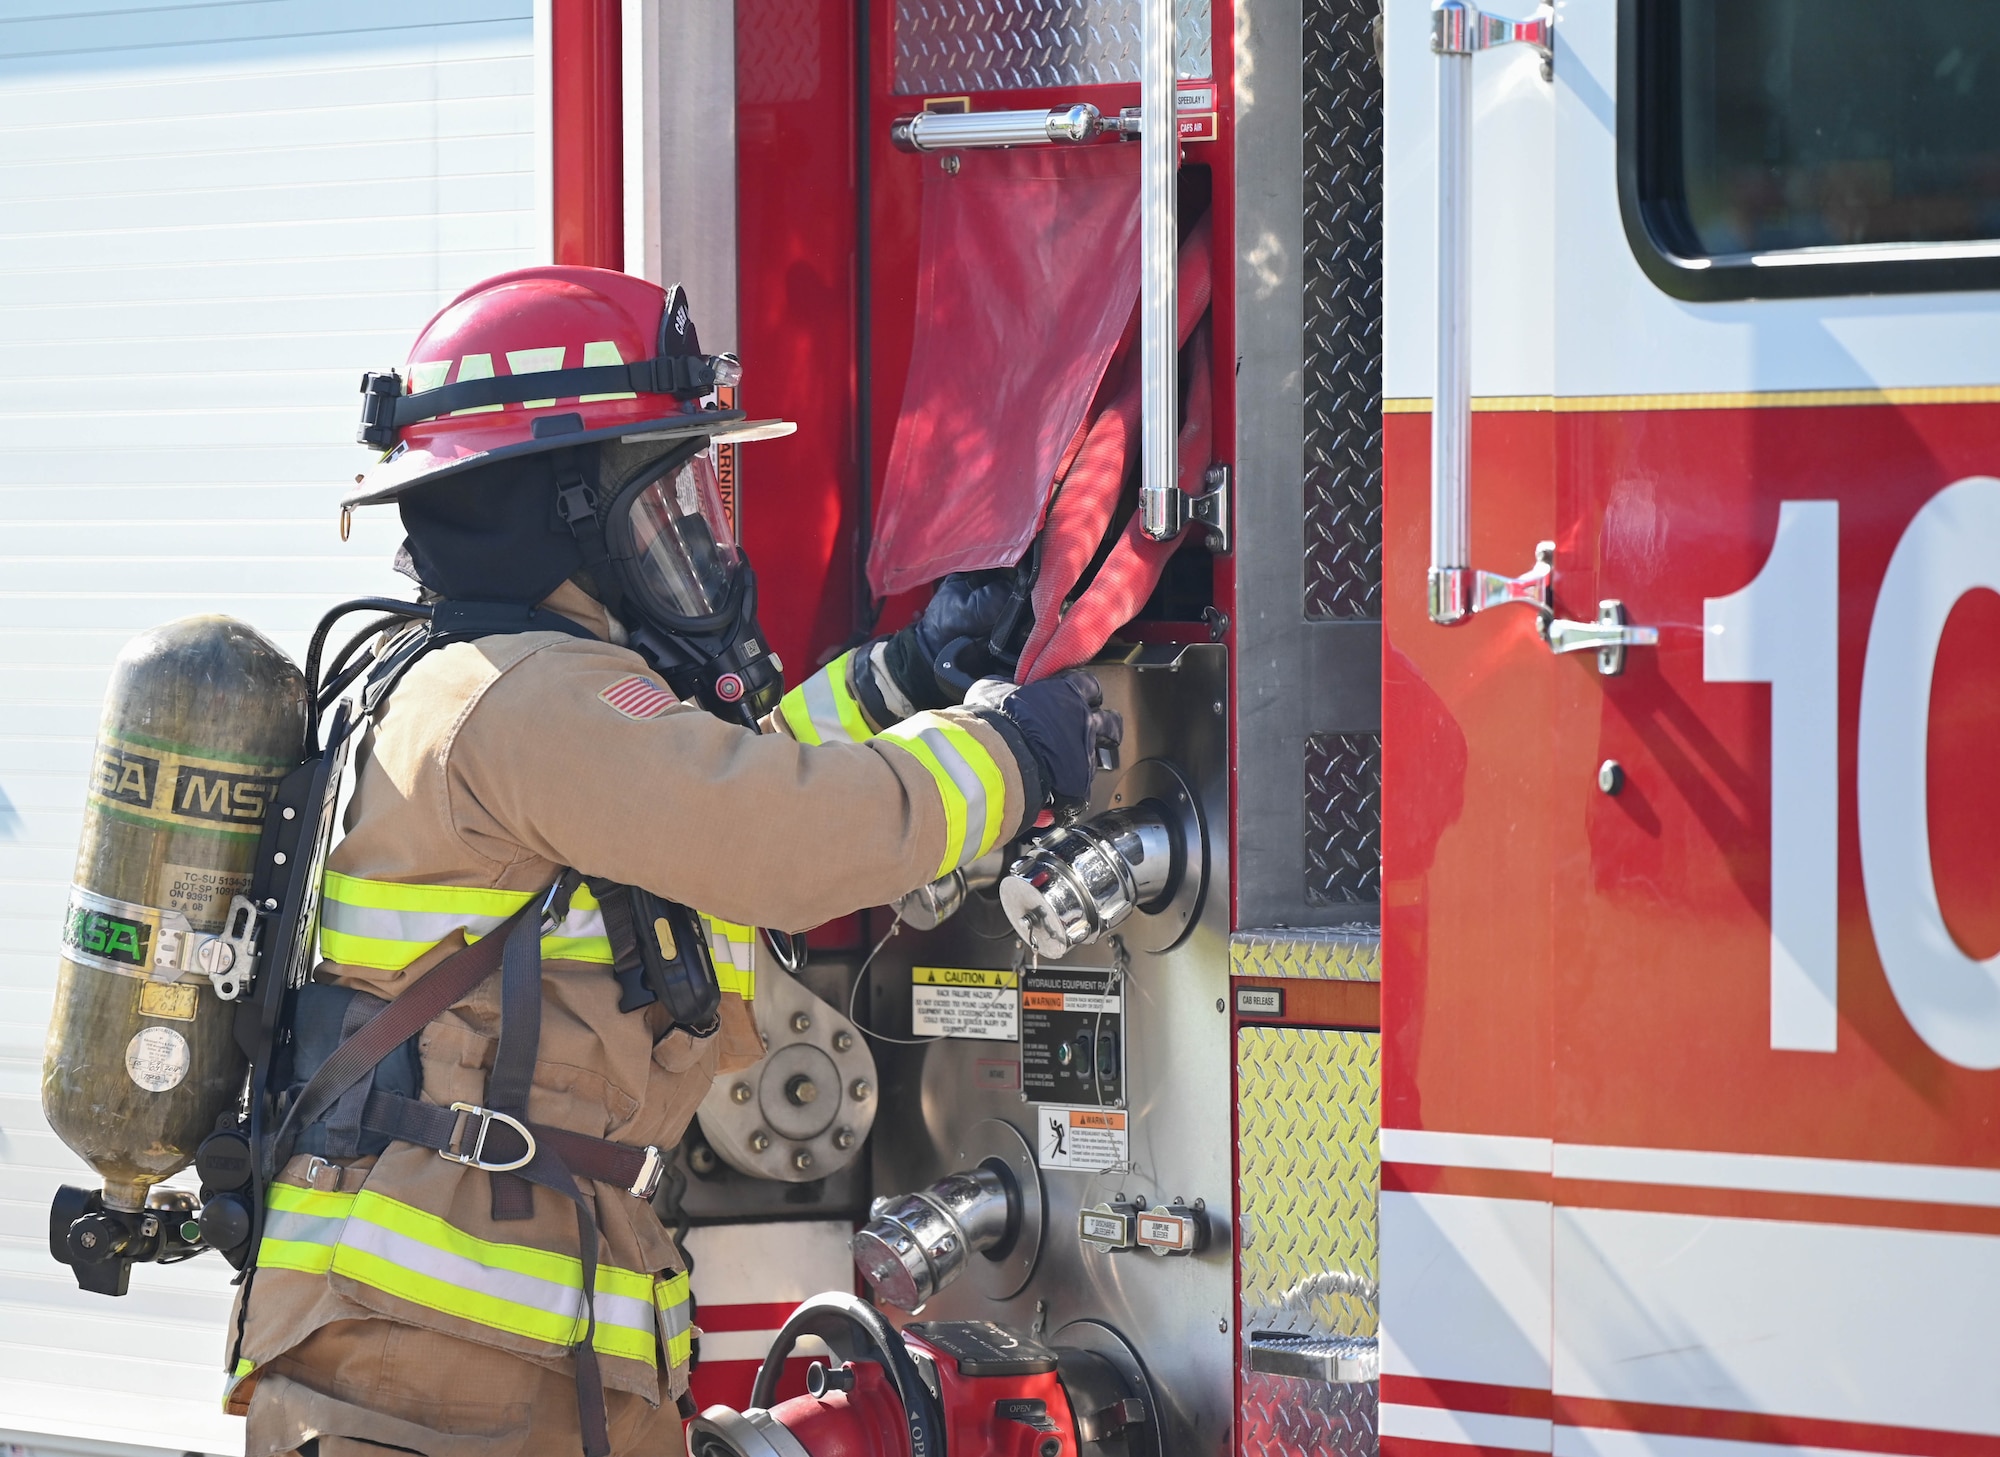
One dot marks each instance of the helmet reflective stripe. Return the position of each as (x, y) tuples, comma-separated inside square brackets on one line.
[(968, 782), (824, 710), (412, 1255), (476, 366), (533, 361), (733, 949), (602, 351), (385, 925)]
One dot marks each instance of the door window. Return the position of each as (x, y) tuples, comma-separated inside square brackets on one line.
[(1811, 146)]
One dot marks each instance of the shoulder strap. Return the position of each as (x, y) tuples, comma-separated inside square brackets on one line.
[(452, 622)]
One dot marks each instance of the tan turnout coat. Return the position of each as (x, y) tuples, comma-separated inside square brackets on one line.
[(495, 764)]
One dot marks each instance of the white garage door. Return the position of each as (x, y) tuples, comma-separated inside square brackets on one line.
[(213, 217)]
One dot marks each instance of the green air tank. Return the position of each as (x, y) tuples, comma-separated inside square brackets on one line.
[(203, 718)]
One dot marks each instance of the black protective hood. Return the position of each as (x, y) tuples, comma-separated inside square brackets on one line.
[(493, 535)]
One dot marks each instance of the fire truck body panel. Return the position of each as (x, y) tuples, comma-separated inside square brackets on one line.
[(1687, 1105)]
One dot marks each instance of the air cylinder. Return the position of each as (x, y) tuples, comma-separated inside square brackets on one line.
[(203, 718)]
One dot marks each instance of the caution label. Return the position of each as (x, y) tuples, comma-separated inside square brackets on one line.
[(1090, 1139), (956, 1001)]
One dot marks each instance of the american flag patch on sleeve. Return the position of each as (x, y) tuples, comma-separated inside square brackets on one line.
[(639, 698)]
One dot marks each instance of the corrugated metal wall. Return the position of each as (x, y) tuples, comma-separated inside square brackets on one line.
[(213, 217)]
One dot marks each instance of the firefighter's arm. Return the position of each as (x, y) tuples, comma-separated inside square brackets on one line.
[(756, 828), (882, 682)]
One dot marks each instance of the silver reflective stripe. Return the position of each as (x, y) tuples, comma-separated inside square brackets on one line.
[(823, 708), (970, 788), (428, 927), (433, 926), (893, 698), (674, 1319), (511, 1285), (580, 923), (299, 1228)]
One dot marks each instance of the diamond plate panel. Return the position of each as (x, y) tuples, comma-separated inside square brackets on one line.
[(1343, 310), (784, 65), (946, 46), (1333, 953), (1309, 1176), (1344, 819)]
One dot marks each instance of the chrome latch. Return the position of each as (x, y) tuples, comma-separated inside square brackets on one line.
[(651, 1166), (477, 1158), (1610, 635)]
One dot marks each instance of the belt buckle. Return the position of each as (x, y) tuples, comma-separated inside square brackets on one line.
[(477, 1158), (651, 1166)]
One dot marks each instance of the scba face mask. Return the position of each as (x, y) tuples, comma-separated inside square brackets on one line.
[(687, 596)]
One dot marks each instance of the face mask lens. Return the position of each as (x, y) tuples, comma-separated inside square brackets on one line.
[(684, 555)]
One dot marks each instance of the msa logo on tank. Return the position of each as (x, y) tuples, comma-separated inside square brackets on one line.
[(161, 784), (104, 936)]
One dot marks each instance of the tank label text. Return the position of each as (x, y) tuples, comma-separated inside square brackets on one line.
[(168, 787), (157, 1058)]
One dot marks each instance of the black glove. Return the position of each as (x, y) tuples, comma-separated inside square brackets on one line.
[(1064, 723), (962, 615)]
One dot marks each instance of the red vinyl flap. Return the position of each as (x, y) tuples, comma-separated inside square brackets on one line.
[(1028, 269)]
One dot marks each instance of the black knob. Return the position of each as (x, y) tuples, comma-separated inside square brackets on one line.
[(97, 1239), (223, 1160), (225, 1221)]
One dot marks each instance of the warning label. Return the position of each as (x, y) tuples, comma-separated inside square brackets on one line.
[(1072, 1036), (1092, 1139), (955, 1001)]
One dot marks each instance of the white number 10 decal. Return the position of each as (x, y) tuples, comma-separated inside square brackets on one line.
[(1783, 629)]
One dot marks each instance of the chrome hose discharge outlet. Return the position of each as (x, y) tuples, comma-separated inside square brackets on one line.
[(986, 1218), (930, 906), (917, 1244), (1143, 861)]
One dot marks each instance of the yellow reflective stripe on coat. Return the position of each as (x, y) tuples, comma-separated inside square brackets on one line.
[(386, 924), (413, 1255), (733, 949), (968, 781), (824, 710)]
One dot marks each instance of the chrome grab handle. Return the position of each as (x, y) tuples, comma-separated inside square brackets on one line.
[(968, 131), (1159, 248), (1457, 589), (1458, 29)]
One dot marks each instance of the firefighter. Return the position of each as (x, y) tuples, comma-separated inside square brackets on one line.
[(408, 1301)]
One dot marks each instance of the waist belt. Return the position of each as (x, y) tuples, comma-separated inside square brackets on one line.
[(499, 1143)]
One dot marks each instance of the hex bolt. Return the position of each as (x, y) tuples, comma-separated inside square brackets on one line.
[(801, 1090), (949, 164), (843, 1138), (801, 1022), (843, 1040), (859, 1090), (740, 1093), (759, 1141), (1611, 776), (801, 1160)]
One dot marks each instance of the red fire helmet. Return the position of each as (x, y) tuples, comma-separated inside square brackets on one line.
[(540, 359)]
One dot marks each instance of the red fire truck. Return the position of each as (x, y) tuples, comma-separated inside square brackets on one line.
[(1531, 979)]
